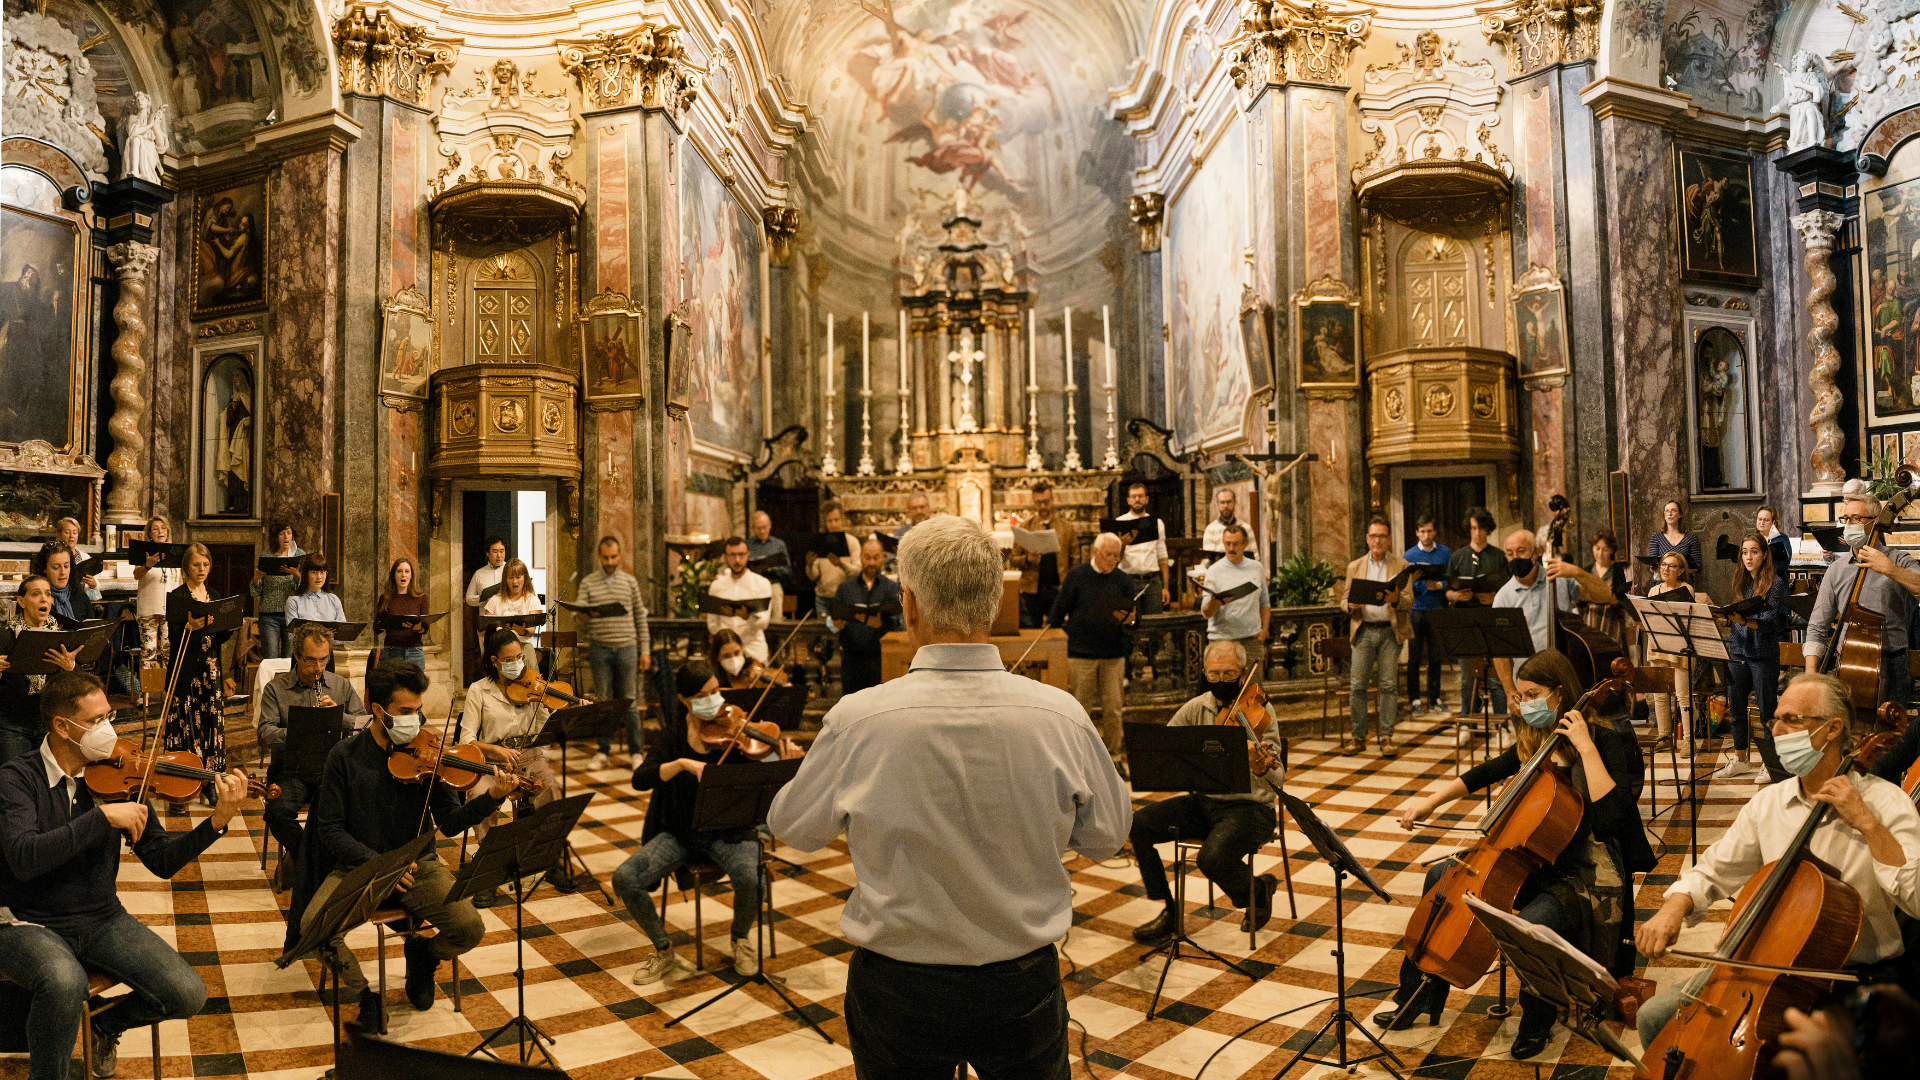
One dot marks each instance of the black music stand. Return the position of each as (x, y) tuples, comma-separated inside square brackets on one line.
[(1687, 630), (347, 907), (593, 721), (1332, 849), (736, 797), (1554, 971), (368, 1058), (1205, 759), (510, 852), (1481, 633)]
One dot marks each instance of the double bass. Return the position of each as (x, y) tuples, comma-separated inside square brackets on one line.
[(1854, 653), (1592, 651)]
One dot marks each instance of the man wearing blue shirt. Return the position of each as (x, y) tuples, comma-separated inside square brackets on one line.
[(1244, 619), (1528, 590), (1429, 594)]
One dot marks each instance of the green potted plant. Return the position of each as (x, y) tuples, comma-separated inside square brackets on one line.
[(1302, 581), (690, 584)]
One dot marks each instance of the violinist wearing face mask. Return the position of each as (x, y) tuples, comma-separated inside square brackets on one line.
[(1874, 847), (738, 671), (490, 719), (677, 754)]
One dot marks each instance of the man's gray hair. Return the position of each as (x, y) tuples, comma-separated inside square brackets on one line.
[(953, 568), (1859, 491), (1239, 651), (304, 632), (1104, 537), (1835, 700)]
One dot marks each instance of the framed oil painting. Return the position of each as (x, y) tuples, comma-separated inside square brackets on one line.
[(1253, 334), (1327, 337), (1539, 324), (1716, 217), (42, 335), (226, 485), (613, 351), (406, 349), (1890, 244), (679, 336), (230, 251), (1723, 421)]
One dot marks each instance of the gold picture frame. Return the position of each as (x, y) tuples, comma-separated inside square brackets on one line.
[(407, 337), (1539, 307), (1326, 337)]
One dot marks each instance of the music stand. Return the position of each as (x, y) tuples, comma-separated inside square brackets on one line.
[(594, 721), (368, 1058), (1481, 633), (1332, 849), (510, 852), (1687, 630), (734, 797), (1557, 973), (347, 907), (1204, 759)]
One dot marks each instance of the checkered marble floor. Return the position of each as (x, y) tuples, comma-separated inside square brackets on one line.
[(268, 1023)]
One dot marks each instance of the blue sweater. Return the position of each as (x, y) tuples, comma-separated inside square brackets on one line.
[(1425, 599), (1762, 642)]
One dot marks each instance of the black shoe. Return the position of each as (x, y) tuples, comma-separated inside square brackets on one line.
[(557, 877), (1261, 907), (488, 899), (1160, 929), (1526, 1046), (373, 1012), (106, 1054), (1427, 1000), (421, 967)]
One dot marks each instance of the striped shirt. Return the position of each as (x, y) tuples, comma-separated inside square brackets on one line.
[(619, 631)]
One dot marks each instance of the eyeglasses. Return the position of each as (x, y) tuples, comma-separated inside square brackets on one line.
[(1857, 519), (1799, 721)]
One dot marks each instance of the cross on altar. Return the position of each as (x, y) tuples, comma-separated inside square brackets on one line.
[(966, 356)]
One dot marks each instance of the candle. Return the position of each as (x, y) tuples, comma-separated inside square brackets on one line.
[(1033, 354), (1067, 347), (1106, 341), (829, 354), (866, 381), (903, 350)]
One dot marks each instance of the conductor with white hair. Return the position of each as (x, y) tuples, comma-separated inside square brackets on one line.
[(960, 788), (1889, 590)]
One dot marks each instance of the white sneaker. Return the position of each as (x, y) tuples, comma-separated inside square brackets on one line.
[(597, 761), (746, 963), (660, 967), (1439, 705), (1417, 707), (1733, 769)]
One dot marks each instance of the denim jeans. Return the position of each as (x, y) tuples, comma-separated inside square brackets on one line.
[(414, 654), (1425, 644), (1231, 828), (920, 1021), (1760, 678), (643, 872), (1536, 1014), (1660, 1008), (1376, 658), (1489, 684), (1150, 602), (613, 677), (273, 635), (53, 968)]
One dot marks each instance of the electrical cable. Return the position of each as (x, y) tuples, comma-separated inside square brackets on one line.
[(1276, 1016)]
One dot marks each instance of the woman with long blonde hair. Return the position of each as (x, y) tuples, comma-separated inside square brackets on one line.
[(1673, 588)]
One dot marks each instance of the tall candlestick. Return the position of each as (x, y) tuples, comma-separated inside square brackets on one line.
[(903, 464), (865, 467), (866, 376), (828, 466), (1112, 458), (1072, 462), (1034, 463)]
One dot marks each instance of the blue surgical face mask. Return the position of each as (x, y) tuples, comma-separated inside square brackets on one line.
[(706, 708), (1856, 535), (1538, 714), (402, 727), (512, 669), (1796, 751)]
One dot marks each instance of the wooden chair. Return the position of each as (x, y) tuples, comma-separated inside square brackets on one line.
[(1338, 652), (1189, 850), (99, 983), (403, 927)]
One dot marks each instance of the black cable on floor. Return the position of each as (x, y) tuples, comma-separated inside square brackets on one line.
[(1278, 1015)]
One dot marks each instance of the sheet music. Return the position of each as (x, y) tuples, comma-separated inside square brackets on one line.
[(1682, 629)]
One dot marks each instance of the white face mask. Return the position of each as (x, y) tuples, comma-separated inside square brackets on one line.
[(402, 727), (98, 742), (733, 664), (512, 669)]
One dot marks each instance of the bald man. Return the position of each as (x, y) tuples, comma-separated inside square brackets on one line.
[(1528, 590)]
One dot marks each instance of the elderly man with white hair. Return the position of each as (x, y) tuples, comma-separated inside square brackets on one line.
[(960, 788), (1528, 590), (1889, 590), (1093, 604)]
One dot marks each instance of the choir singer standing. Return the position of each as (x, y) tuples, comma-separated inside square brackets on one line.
[(955, 914)]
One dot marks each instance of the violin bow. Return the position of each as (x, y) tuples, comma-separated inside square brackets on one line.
[(1032, 645), (1253, 737), (768, 689), (177, 663), (445, 729)]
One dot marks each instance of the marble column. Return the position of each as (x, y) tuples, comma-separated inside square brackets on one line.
[(303, 338), (943, 384), (127, 495), (1817, 229)]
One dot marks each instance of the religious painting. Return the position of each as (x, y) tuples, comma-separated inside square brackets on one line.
[(1717, 241), (1891, 245), (216, 59), (42, 337), (1539, 324), (1254, 317), (1716, 51), (228, 405), (720, 264), (1207, 382), (230, 256), (406, 349), (1722, 407), (613, 350), (1327, 337)]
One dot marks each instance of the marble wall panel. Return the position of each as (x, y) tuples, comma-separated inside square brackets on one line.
[(404, 193), (1322, 186), (403, 488), (1333, 491), (1547, 424), (611, 224), (302, 338), (1536, 168)]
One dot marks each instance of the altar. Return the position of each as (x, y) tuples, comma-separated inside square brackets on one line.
[(1045, 652)]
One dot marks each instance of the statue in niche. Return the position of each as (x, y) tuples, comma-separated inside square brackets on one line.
[(1807, 89), (148, 135)]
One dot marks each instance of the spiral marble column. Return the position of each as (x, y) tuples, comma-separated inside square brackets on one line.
[(127, 494), (1817, 229)]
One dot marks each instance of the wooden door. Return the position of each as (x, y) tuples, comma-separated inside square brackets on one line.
[(1447, 499), (233, 566)]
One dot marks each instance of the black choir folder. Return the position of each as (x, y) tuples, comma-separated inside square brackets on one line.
[(1750, 608), (280, 565), (342, 631), (595, 611), (392, 621), (873, 615), (776, 561), (1245, 588), (170, 554), (226, 612), (529, 620), (733, 609), (30, 647), (1141, 530), (1367, 591)]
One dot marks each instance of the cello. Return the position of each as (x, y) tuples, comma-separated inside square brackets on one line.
[(1526, 828), (1591, 651), (1854, 653)]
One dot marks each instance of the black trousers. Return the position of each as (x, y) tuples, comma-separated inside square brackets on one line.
[(1230, 828), (283, 814), (1424, 644), (921, 1021), (859, 668)]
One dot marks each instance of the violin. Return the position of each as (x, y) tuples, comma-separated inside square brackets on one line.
[(1794, 914), (1249, 711), (756, 675), (531, 687), (176, 776), (460, 767), (1854, 652), (732, 727), (1526, 828)]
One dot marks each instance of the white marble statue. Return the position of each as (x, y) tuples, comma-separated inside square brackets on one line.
[(1871, 68), (148, 135), (1807, 89)]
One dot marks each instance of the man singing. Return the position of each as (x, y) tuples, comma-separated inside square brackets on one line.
[(860, 638), (737, 582), (1225, 502), (990, 779)]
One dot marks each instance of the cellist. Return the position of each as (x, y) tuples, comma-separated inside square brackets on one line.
[(1584, 895), (1889, 591)]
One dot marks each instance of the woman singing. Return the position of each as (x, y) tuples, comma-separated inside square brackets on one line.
[(197, 725), (150, 594), (403, 596), (1672, 537), (270, 593), (1673, 589), (21, 726), (1755, 647), (1584, 896)]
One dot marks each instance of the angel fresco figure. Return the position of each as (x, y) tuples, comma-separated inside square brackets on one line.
[(148, 135), (1807, 90)]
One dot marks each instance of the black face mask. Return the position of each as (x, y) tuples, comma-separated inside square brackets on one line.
[(1519, 567), (1224, 692)]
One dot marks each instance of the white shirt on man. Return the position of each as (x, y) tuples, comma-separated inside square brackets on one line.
[(1146, 556), (753, 628), (483, 579), (1376, 571)]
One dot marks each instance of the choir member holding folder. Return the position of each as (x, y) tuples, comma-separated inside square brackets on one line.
[(1043, 551), (155, 577), (402, 639), (866, 606), (1098, 603), (740, 600), (197, 724), (21, 727)]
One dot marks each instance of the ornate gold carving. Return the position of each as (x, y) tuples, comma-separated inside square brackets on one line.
[(464, 418), (503, 128), (1148, 209), (509, 414), (1541, 33), (1282, 42), (551, 420), (1439, 400), (1395, 403), (225, 327), (1483, 403), (782, 223), (646, 66), (382, 56)]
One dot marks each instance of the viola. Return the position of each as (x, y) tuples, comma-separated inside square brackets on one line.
[(1249, 711), (756, 674), (1526, 828), (176, 776), (531, 687), (1795, 913), (732, 727), (459, 767)]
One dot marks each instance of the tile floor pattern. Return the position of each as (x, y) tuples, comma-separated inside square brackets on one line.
[(267, 1023)]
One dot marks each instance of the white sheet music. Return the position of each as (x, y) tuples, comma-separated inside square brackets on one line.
[(1681, 629)]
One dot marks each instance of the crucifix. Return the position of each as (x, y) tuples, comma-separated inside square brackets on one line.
[(966, 356)]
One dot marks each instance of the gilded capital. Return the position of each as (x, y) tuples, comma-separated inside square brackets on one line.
[(1282, 42), (1541, 33), (782, 223), (380, 56), (1148, 209), (646, 66)]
